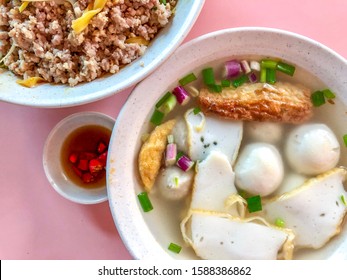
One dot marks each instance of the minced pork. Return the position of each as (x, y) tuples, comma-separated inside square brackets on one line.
[(46, 45)]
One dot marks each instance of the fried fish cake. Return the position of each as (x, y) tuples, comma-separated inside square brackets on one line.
[(151, 153), (280, 102)]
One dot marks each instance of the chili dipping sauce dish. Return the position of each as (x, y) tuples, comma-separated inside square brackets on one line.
[(75, 156)]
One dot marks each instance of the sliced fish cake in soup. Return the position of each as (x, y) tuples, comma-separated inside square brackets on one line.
[(219, 236), (314, 211), (210, 133), (213, 183)]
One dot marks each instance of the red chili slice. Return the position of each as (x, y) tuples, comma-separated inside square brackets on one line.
[(103, 158), (83, 164), (87, 177), (95, 166), (101, 147), (73, 158), (87, 155)]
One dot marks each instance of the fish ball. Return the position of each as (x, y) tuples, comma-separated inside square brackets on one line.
[(312, 149), (174, 183), (259, 169)]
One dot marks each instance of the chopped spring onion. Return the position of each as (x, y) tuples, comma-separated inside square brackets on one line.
[(252, 77), (328, 93), (157, 117), (170, 139), (208, 76), (255, 65), (23, 6), (342, 197), (232, 69), (285, 68), (169, 104), (254, 203), (184, 162), (280, 223), (270, 75), (163, 99), (345, 139), (245, 66), (31, 82), (162, 2), (187, 79), (145, 202), (176, 180), (196, 110), (215, 88), (240, 81), (175, 248), (225, 83), (268, 63), (181, 94), (317, 98), (170, 154), (263, 75)]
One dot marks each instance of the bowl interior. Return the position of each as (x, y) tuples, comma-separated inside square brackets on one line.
[(147, 234), (165, 43), (52, 153)]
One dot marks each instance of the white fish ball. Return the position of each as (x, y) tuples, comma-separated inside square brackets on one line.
[(259, 169), (312, 149), (174, 183)]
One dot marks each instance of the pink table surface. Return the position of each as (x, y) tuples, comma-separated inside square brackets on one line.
[(36, 222)]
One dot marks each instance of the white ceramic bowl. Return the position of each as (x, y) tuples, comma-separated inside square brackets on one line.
[(53, 96), (52, 153), (147, 235)]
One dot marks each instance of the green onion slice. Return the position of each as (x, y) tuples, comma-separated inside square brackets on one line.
[(343, 200), (157, 117), (208, 76), (196, 110), (163, 99), (254, 203), (187, 79), (145, 202), (270, 76), (162, 2), (240, 81), (285, 68), (175, 248), (268, 63), (225, 83), (263, 75), (317, 98), (280, 223), (215, 88), (345, 139), (328, 93), (169, 104)]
